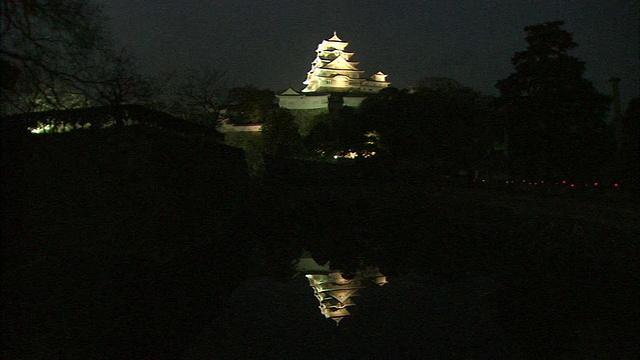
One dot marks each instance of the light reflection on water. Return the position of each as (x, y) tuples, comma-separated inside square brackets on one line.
[(333, 291)]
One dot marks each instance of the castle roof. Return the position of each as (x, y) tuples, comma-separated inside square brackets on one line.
[(335, 38), (339, 63), (332, 70), (290, 91)]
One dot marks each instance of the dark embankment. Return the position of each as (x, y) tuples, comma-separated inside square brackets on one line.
[(111, 241), (140, 243)]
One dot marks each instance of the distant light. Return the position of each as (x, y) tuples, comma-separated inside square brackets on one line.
[(42, 128), (616, 185), (573, 185), (524, 181), (595, 184), (564, 182)]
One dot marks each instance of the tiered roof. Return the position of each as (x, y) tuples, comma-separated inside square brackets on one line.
[(333, 70), (335, 292), (331, 61)]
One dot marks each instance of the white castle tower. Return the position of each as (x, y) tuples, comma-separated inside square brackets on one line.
[(332, 71)]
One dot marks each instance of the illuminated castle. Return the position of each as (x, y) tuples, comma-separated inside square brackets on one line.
[(333, 71), (334, 292)]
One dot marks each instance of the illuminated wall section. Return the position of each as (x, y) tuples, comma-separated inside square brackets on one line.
[(290, 99)]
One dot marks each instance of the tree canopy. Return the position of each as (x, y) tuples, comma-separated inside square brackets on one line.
[(250, 105), (194, 94), (280, 135), (440, 122), (57, 54), (554, 116)]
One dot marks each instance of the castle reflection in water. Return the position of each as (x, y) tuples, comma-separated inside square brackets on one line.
[(334, 292)]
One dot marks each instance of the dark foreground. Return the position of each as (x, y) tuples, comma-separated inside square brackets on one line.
[(141, 245)]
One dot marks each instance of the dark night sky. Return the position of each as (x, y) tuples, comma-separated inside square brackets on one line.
[(271, 44)]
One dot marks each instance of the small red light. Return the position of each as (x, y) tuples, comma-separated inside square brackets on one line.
[(595, 184), (616, 185), (506, 182), (542, 182), (564, 181), (524, 181), (573, 185)]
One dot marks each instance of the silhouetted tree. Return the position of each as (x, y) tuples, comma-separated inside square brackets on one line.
[(118, 80), (554, 116), (387, 113), (51, 43), (320, 142), (455, 123), (198, 96), (250, 105), (340, 131), (348, 130), (63, 58), (280, 135), (630, 152), (441, 122), (439, 84)]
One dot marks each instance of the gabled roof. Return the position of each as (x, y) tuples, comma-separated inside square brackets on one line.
[(335, 38), (339, 63), (290, 91), (332, 43), (343, 295)]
